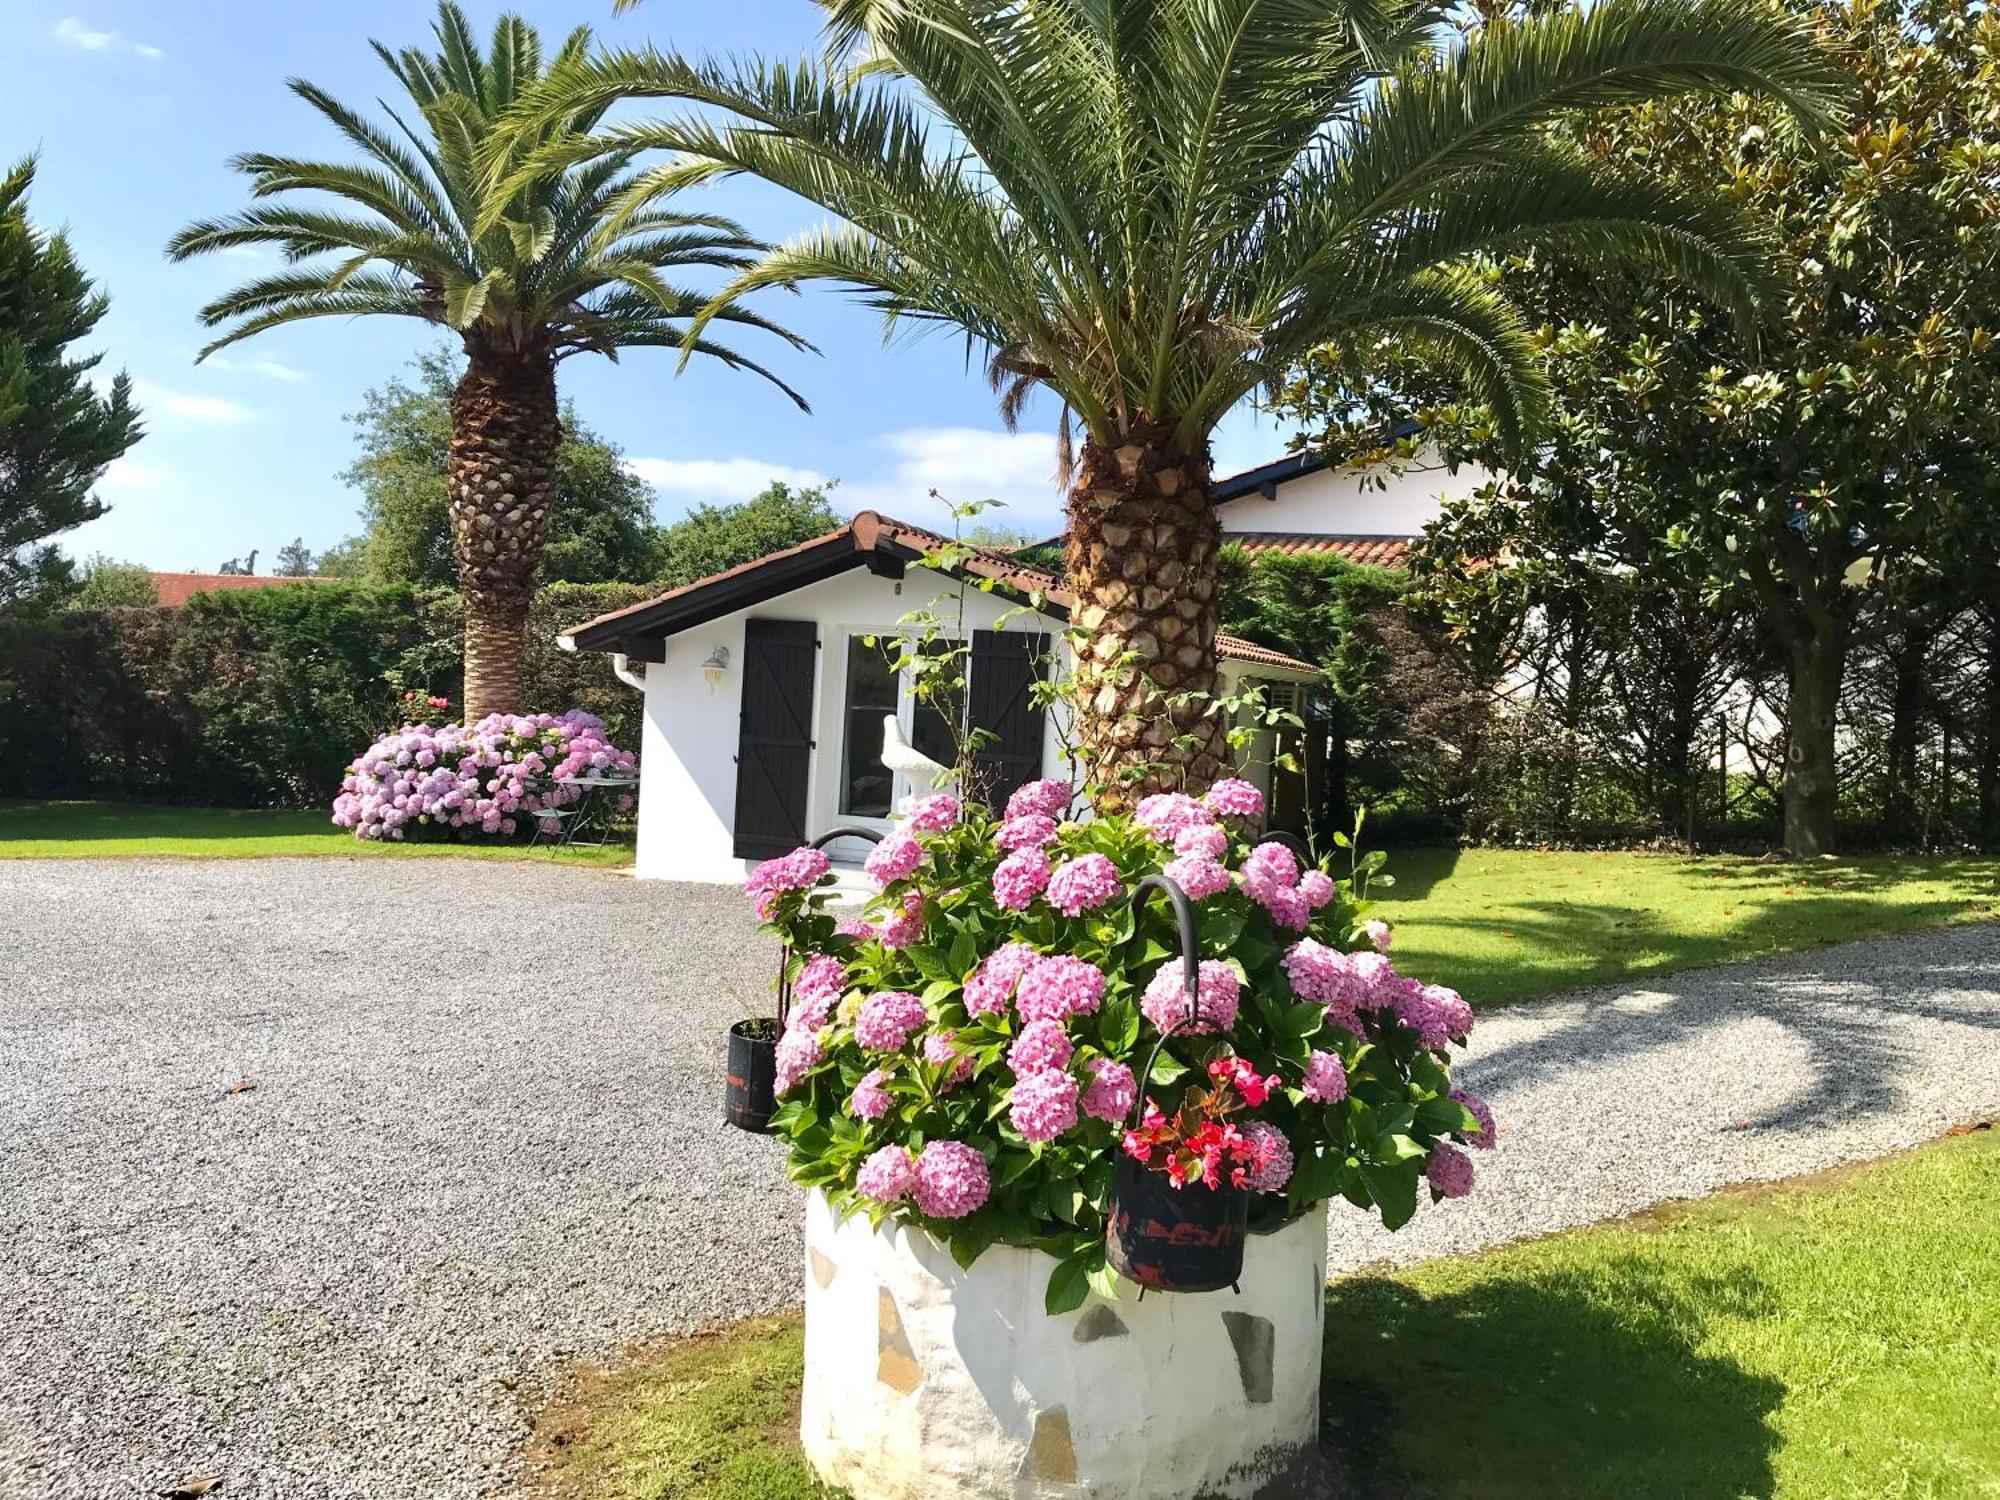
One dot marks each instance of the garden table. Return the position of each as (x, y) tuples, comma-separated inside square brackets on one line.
[(595, 807)]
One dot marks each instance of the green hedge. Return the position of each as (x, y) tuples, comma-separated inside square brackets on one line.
[(258, 697)]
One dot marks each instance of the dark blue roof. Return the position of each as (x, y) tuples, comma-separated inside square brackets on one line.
[(1267, 477)]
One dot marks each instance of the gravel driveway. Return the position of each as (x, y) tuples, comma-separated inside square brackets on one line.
[(483, 1136)]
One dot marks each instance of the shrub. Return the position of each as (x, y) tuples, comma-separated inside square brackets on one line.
[(490, 779), (966, 1056)]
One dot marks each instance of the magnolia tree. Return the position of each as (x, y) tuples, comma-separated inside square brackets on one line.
[(968, 1053)]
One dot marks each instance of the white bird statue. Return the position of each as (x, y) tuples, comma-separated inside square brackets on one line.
[(898, 754)]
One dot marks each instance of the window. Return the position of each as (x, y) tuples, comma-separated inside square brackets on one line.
[(867, 787)]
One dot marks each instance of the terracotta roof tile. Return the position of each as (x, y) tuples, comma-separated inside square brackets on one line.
[(1374, 551), (175, 589)]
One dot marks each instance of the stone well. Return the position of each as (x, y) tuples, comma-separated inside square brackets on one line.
[(927, 1382)]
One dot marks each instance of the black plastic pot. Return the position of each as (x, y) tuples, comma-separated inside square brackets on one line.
[(750, 1089), (1169, 1239)]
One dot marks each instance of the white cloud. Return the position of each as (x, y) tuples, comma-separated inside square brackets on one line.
[(719, 481), (964, 464), (270, 369), (156, 398), (132, 479), (72, 32)]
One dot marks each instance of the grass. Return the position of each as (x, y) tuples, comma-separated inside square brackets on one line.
[(1836, 1338), (1502, 924), (73, 830)]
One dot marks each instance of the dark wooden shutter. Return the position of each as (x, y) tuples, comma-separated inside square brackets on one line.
[(1005, 663), (774, 743)]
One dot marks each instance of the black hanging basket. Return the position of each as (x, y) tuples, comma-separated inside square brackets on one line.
[(1169, 1239), (749, 1089), (749, 1095)]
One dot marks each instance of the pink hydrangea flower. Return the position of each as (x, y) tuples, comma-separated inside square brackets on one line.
[(800, 870), (1200, 875), (1044, 1105), (1082, 885), (1020, 877), (888, 1020), (1030, 831), (798, 1053), (1233, 797), (887, 1176), (991, 985), (936, 813), (941, 1047), (1377, 932), (1452, 1010), (1317, 972), (1111, 1092), (1217, 992), (1317, 887), (870, 1100), (1211, 839), (1269, 867), (1485, 1137), (858, 928), (1166, 815), (1326, 1078), (1449, 1171), (1059, 986), (1287, 906), (1049, 797), (1040, 1046), (895, 858), (905, 926), (822, 979), (952, 1180), (1267, 1164)]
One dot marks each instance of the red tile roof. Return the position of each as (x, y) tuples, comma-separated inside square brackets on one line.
[(175, 589), (869, 532), (1374, 551)]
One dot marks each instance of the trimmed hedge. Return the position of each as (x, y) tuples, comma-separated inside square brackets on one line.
[(259, 697)]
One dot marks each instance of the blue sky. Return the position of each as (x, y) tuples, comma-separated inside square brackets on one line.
[(135, 107)]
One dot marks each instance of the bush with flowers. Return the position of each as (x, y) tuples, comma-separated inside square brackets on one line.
[(964, 1055), (489, 779)]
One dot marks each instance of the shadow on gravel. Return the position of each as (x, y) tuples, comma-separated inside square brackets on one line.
[(1588, 1388), (1853, 1028)]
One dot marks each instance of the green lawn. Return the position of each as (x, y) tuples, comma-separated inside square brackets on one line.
[(1832, 1339), (1501, 924), (72, 830)]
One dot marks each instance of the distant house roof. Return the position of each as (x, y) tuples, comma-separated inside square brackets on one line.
[(879, 543), (1265, 478), (1372, 551), (175, 589)]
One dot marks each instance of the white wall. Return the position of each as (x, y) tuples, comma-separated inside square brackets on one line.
[(1354, 502)]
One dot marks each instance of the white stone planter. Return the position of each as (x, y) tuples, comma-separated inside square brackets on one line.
[(927, 1382)]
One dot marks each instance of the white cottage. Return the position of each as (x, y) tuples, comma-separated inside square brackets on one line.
[(765, 701)]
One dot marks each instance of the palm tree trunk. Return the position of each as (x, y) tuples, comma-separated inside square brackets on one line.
[(1143, 552), (505, 431)]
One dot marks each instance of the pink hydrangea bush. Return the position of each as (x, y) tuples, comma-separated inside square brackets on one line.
[(489, 779), (966, 1054)]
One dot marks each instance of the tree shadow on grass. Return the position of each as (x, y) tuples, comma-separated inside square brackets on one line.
[(1562, 1385), (89, 822)]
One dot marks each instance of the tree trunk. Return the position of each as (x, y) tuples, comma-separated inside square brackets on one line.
[(1143, 550), (1988, 774), (505, 431), (1810, 791)]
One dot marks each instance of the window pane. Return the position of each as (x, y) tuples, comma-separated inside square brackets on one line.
[(932, 724), (865, 783)]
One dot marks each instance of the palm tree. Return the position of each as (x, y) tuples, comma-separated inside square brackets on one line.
[(524, 276), (1153, 207)]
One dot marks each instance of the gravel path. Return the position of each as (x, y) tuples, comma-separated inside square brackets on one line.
[(466, 1157)]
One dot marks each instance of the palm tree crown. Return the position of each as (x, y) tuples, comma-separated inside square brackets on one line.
[(1153, 207), (423, 233)]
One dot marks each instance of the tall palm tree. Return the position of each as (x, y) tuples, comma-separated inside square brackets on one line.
[(525, 277), (1152, 207)]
